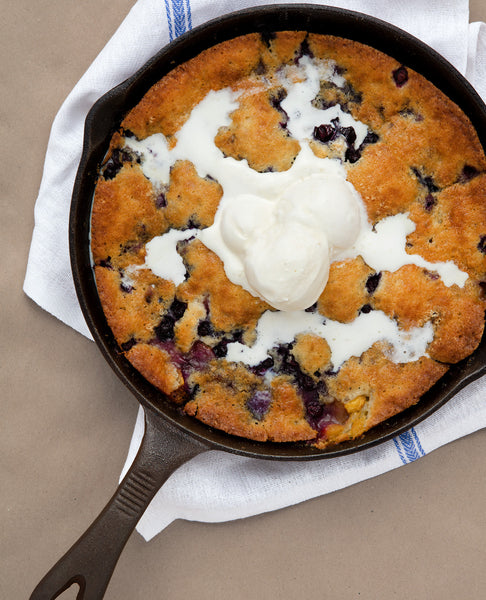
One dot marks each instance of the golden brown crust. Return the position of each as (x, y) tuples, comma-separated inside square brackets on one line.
[(453, 227), (421, 157), (133, 310), (383, 181), (190, 198), (157, 367), (124, 215), (222, 404), (345, 292), (414, 297), (312, 353), (275, 150)]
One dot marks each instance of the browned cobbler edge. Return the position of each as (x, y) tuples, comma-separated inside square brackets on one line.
[(422, 157)]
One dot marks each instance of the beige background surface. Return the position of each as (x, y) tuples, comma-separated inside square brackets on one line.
[(417, 532)]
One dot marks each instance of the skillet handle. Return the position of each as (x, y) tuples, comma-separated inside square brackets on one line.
[(92, 559)]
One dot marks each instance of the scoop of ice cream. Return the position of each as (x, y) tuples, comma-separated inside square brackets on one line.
[(324, 202), (288, 266), (280, 248)]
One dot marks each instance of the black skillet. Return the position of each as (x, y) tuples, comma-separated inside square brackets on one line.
[(172, 438)]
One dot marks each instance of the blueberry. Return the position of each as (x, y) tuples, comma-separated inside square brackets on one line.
[(370, 138), (324, 104), (112, 166), (236, 336), (276, 99), (305, 382), (262, 367), (165, 329), (468, 173), (205, 328), (366, 308), (406, 112), (482, 244), (131, 248), (169, 347), (259, 403), (115, 162), (288, 364), (304, 50), (161, 200), (349, 135), (178, 308), (331, 372), (260, 69), (221, 349), (352, 95), (352, 155), (199, 355), (425, 180), (372, 282), (125, 287), (106, 263), (193, 223), (314, 409), (267, 37), (400, 76), (429, 202), (195, 360), (338, 70), (324, 133), (126, 346), (430, 185)]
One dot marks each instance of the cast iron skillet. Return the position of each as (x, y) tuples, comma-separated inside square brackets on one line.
[(172, 438)]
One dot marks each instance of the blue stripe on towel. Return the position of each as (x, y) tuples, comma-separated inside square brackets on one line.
[(169, 20), (189, 16), (417, 441), (179, 17), (408, 446)]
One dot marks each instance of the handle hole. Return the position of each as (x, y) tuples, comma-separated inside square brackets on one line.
[(73, 590)]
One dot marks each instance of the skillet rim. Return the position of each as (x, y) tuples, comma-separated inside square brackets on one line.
[(107, 112)]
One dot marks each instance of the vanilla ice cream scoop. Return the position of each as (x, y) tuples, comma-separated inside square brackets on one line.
[(288, 266), (326, 202), (279, 247)]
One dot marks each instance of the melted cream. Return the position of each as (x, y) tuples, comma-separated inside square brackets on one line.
[(344, 339), (162, 257), (383, 249), (303, 116)]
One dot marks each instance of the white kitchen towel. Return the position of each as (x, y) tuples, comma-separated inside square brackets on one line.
[(217, 486)]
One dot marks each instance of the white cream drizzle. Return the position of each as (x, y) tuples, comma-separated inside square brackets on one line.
[(162, 257), (277, 232), (383, 249), (303, 117), (344, 339)]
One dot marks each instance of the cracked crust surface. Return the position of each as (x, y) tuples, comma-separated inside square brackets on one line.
[(422, 157)]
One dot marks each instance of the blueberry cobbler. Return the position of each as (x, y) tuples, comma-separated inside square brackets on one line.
[(289, 237)]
